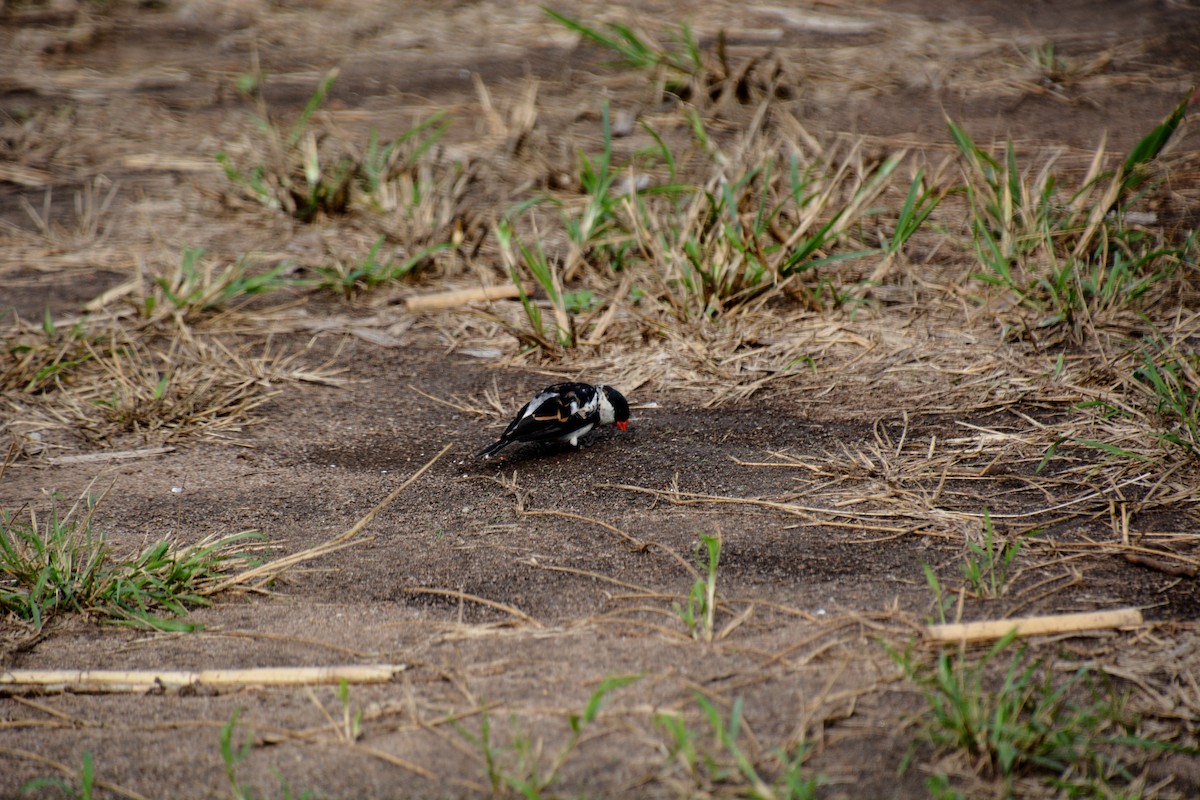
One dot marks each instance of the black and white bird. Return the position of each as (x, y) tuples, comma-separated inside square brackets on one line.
[(564, 412)]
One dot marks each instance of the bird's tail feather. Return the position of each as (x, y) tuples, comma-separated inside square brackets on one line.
[(493, 448)]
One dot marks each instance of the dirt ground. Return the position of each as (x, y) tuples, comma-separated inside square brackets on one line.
[(514, 588)]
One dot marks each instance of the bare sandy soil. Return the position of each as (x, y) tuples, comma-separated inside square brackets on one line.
[(511, 589)]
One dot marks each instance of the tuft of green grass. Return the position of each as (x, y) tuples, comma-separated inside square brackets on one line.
[(763, 222), (39, 363), (1014, 718), (295, 178), (725, 764), (1170, 378), (700, 612), (304, 173), (350, 279), (1069, 257), (383, 163), (531, 262), (52, 564), (921, 200), (987, 565), (598, 222), (195, 287), (413, 196), (942, 600), (235, 750), (518, 767), (85, 789), (351, 728), (636, 50), (598, 228)]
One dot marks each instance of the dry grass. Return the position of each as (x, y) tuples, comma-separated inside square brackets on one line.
[(105, 382)]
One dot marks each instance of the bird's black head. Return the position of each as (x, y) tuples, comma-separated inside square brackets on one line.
[(620, 406)]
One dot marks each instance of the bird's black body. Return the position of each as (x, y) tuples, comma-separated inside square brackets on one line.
[(564, 412)]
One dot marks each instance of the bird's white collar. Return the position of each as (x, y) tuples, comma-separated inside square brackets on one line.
[(607, 415)]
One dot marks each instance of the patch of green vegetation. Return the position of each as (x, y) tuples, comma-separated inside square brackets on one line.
[(942, 600), (351, 717), (293, 178), (304, 173), (382, 163), (700, 612), (1171, 380), (40, 363), (639, 51), (766, 220), (725, 765), (1070, 257), (531, 262), (350, 279), (234, 752), (196, 287), (764, 223), (84, 791), (1013, 719), (987, 565), (597, 227), (517, 767), (55, 564), (737, 230), (743, 249)]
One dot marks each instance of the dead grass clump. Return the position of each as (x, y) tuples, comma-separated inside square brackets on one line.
[(90, 225), (105, 381), (188, 387)]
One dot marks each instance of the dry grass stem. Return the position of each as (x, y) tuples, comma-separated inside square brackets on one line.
[(483, 601)]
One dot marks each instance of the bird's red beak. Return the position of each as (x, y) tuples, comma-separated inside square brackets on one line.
[(621, 426)]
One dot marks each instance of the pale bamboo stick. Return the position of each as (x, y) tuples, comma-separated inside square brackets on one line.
[(460, 297), (1034, 626), (114, 680)]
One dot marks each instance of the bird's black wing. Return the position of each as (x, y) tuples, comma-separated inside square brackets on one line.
[(554, 413)]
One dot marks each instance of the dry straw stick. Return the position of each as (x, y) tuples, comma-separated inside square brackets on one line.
[(114, 680), (114, 455), (474, 598), (461, 297), (1034, 626)]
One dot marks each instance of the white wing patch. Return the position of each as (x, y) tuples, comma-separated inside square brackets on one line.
[(607, 414), (536, 403)]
